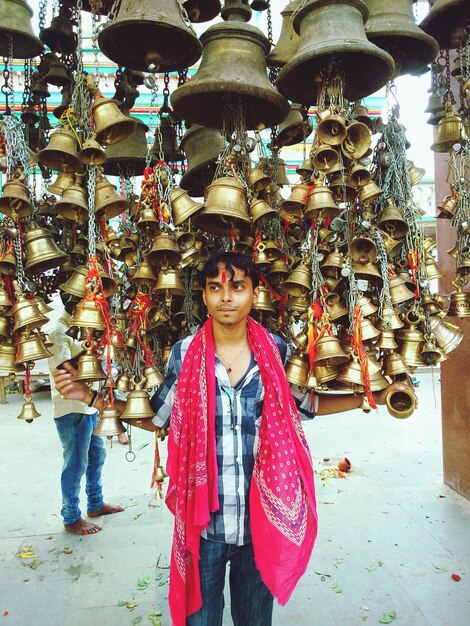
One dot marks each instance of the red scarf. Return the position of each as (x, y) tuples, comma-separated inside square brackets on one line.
[(283, 518)]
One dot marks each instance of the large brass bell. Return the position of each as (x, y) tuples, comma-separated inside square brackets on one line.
[(61, 153), (108, 203), (334, 29), (225, 208), (138, 403), (164, 251), (448, 336), (129, 154), (88, 315), (202, 10), (329, 351), (26, 315), (111, 126), (150, 36), (288, 41), (59, 36), (15, 200), (297, 370), (392, 27), (89, 366), (233, 65), (202, 146), (28, 410), (182, 206), (42, 253), (16, 31), (109, 424), (446, 22), (400, 403), (30, 347), (299, 281), (450, 130)]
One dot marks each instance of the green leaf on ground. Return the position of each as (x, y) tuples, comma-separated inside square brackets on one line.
[(153, 617), (439, 568), (143, 583), (137, 619), (122, 602), (388, 617), (336, 588)]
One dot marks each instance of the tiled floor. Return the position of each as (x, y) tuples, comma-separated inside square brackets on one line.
[(391, 534)]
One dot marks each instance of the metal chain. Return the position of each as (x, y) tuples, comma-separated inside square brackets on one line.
[(270, 23), (7, 88), (91, 185), (17, 152), (42, 14), (113, 11), (152, 121)]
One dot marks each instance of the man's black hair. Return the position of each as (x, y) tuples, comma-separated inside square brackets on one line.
[(231, 260)]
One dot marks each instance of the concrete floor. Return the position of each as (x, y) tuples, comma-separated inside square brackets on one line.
[(391, 534)]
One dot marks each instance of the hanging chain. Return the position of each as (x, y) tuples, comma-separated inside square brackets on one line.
[(20, 276), (7, 87), (151, 84), (91, 184), (270, 22), (17, 152)]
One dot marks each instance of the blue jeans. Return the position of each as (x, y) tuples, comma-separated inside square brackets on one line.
[(84, 452), (251, 601)]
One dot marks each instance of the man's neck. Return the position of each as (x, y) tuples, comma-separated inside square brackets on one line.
[(229, 336)]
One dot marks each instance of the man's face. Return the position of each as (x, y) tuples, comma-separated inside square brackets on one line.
[(229, 299)]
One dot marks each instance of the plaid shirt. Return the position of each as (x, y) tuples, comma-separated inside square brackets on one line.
[(238, 416)]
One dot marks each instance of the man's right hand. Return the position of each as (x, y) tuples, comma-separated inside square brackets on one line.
[(67, 386)]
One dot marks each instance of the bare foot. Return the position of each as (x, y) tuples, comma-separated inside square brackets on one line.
[(124, 439), (106, 509), (82, 527)]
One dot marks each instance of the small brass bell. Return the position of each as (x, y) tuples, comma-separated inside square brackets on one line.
[(8, 357), (369, 331), (352, 373), (76, 286), (411, 341), (148, 221), (111, 126), (334, 307), (305, 169), (169, 282), (183, 207), (143, 274), (392, 221), (258, 180), (89, 366), (26, 315), (63, 181), (137, 404), (459, 300), (164, 251), (390, 318), (366, 305), (416, 173), (88, 315), (387, 340), (359, 175), (331, 129), (261, 212), (450, 130), (61, 153), (299, 281), (448, 336), (15, 201), (357, 141), (431, 268), (73, 206), (225, 208), (297, 370), (332, 265), (57, 73), (448, 207), (400, 403), (369, 193), (152, 376), (264, 300), (399, 292), (329, 351), (109, 423), (430, 354), (42, 253), (122, 383), (108, 203), (28, 410), (321, 200), (92, 153), (294, 129), (325, 373), (30, 347), (363, 250)]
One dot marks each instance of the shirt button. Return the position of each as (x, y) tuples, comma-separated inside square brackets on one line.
[(238, 460)]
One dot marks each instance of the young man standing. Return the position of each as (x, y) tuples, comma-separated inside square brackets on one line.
[(241, 477)]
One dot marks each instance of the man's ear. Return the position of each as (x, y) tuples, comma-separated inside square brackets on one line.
[(204, 297), (255, 295)]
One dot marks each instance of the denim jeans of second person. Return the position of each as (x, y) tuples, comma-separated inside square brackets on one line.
[(84, 453), (250, 599)]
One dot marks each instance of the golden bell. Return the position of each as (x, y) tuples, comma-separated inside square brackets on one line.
[(143, 274), (390, 318), (334, 307), (8, 357), (233, 66), (366, 306), (416, 173), (15, 201), (411, 342), (369, 193), (393, 365), (448, 336), (288, 41), (111, 126), (108, 203), (88, 315), (331, 129), (164, 251), (129, 154), (275, 167), (183, 207), (431, 268), (321, 199), (264, 300), (387, 340), (352, 373), (17, 38), (258, 180), (363, 250), (30, 347), (225, 208), (341, 186), (261, 258), (138, 404), (28, 410), (295, 203), (448, 207), (459, 301), (325, 373), (378, 382), (57, 73), (273, 251), (169, 282), (294, 128), (392, 246), (261, 212), (8, 264), (400, 403), (359, 175), (450, 130), (332, 265), (42, 253), (5, 300), (122, 383), (151, 36), (369, 331), (329, 351), (89, 367), (297, 370), (76, 285), (319, 42), (202, 147), (430, 354), (152, 377), (305, 169), (5, 330), (393, 28), (325, 158), (61, 153), (92, 153), (73, 205), (61, 183), (148, 221), (391, 220), (279, 270), (399, 292), (109, 423), (299, 281), (26, 315), (357, 141)]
